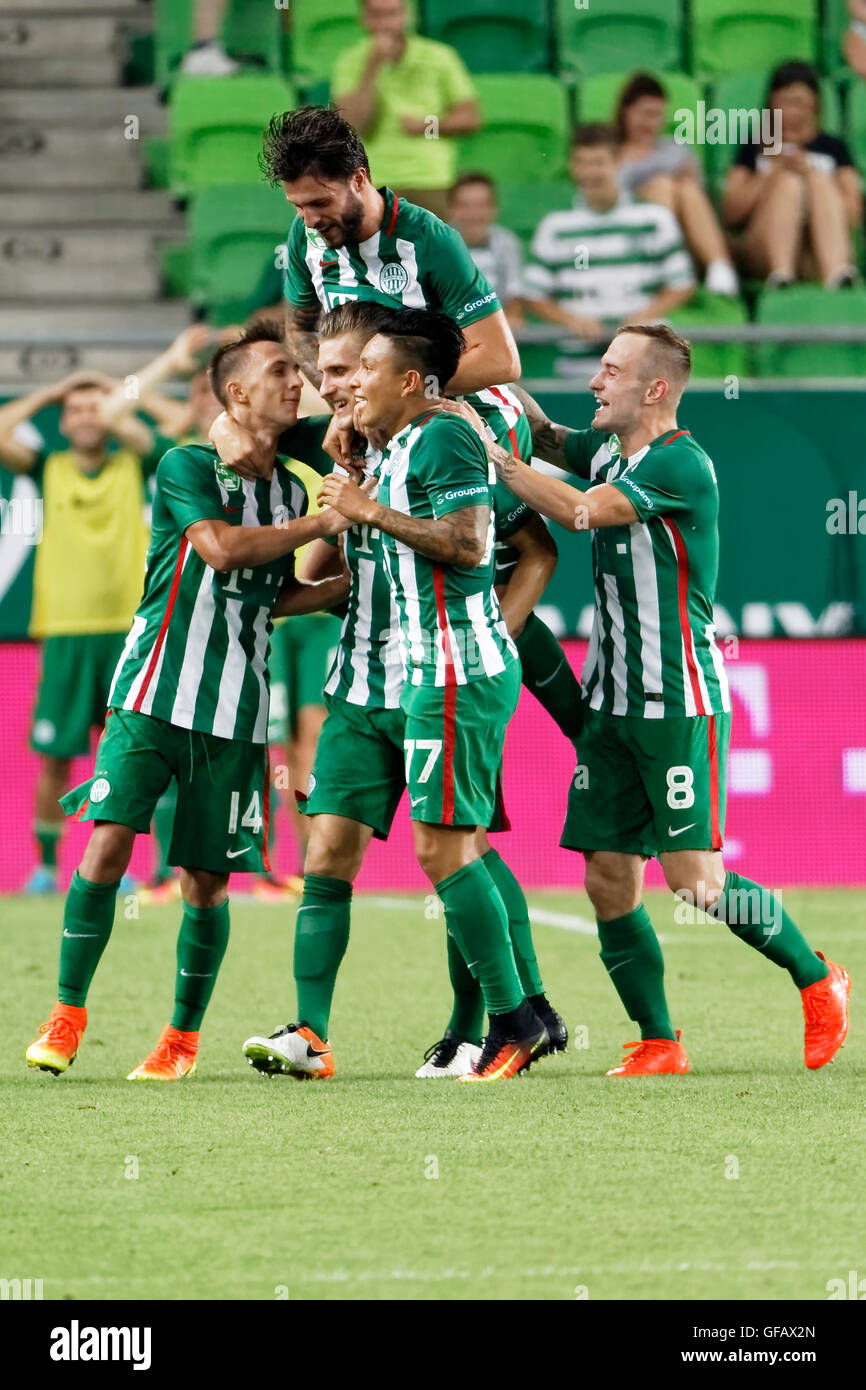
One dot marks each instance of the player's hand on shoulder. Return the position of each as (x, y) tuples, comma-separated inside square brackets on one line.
[(468, 413)]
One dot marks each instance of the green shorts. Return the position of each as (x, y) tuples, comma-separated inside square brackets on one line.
[(360, 769), (454, 738), (302, 650), (221, 821), (648, 786), (74, 683)]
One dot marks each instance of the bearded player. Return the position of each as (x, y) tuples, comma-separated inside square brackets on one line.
[(189, 700), (657, 706)]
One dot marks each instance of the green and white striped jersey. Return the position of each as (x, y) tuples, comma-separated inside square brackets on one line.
[(652, 650), (451, 625), (414, 261), (196, 654), (610, 264)]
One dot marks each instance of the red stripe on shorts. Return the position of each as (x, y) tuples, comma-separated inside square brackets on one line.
[(450, 703), (266, 813), (713, 748)]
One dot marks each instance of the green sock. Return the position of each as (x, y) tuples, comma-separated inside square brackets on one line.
[(201, 945), (633, 958), (467, 1014), (756, 916), (548, 675), (519, 928), (161, 827), (478, 922), (88, 917), (47, 833), (321, 938)]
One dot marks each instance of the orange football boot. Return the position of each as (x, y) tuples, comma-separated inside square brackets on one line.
[(56, 1046), (825, 1009), (653, 1057), (172, 1058), (501, 1058)]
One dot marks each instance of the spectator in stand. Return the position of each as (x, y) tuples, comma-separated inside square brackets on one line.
[(473, 209), (605, 261), (207, 57), (408, 97), (89, 572), (653, 167), (854, 42), (795, 209)]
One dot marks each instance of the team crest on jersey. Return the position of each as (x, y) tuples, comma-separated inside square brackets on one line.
[(393, 278), (613, 446), (316, 239), (229, 479)]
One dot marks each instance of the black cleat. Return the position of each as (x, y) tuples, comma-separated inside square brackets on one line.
[(555, 1024)]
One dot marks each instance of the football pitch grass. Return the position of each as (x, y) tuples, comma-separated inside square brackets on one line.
[(742, 1180)]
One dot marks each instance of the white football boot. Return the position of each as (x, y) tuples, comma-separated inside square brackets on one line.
[(450, 1056), (291, 1051)]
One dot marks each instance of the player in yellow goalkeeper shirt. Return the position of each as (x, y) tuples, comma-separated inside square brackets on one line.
[(88, 574)]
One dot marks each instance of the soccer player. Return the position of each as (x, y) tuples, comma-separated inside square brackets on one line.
[(658, 711), (359, 774), (434, 509), (88, 573), (189, 700)]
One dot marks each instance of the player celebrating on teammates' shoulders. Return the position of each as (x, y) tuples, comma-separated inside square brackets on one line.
[(359, 773), (658, 712), (189, 699), (434, 508)]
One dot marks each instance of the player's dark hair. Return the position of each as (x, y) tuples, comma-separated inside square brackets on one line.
[(468, 179), (643, 84), (671, 350), (227, 359), (428, 341), (313, 140), (593, 134), (786, 74), (364, 317)]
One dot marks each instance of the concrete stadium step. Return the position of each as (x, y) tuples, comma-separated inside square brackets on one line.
[(106, 265), (45, 35), (87, 70), (60, 158), (21, 369), (120, 9), (84, 110), (24, 322), (151, 207)]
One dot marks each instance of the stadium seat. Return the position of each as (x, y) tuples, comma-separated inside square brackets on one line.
[(493, 35), (835, 23), (728, 39), (621, 34), (747, 92), (856, 124), (320, 31), (714, 359), (525, 119), (597, 95), (234, 231), (803, 305), (216, 127), (253, 31), (522, 205)]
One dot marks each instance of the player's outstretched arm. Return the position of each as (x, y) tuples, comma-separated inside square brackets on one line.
[(459, 538), (226, 547), (298, 597), (603, 505), (536, 562), (548, 438)]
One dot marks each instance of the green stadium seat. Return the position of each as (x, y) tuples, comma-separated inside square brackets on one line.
[(233, 232), (522, 205), (639, 35), (525, 123), (493, 35), (809, 305), (856, 123), (216, 127), (321, 29), (747, 92), (253, 30), (836, 21), (728, 39), (714, 360)]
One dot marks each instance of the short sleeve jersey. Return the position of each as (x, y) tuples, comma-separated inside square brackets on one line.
[(652, 651), (196, 654)]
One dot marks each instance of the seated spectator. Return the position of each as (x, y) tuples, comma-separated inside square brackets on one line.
[(854, 42), (473, 209), (795, 201), (605, 261), (655, 168), (207, 57), (408, 97)]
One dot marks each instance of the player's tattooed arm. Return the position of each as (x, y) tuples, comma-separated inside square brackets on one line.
[(548, 438), (459, 538), (302, 339)]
